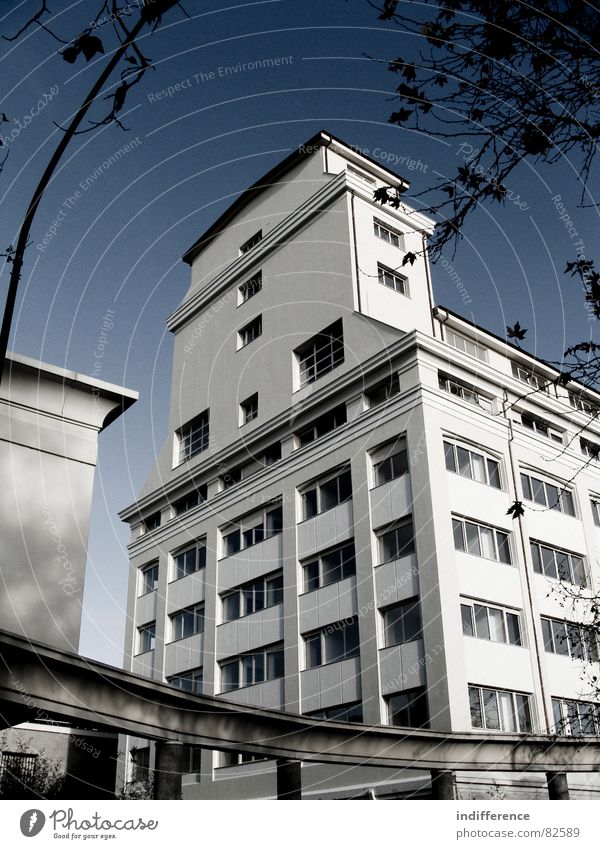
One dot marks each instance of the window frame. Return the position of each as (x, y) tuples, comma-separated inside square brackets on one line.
[(186, 502), (563, 724), (347, 567), (541, 561), (397, 280), (316, 488), (542, 427), (387, 388), (312, 363), (405, 609), (392, 455), (505, 612), (200, 548), (249, 409), (319, 637), (250, 523), (526, 705), (564, 494), (344, 713), (396, 237), (250, 243), (266, 652), (416, 696), (392, 528), (250, 332), (145, 570), (197, 611), (485, 455), (241, 593), (464, 521), (525, 374), (322, 425), (464, 392), (150, 629), (250, 287), (587, 639), (187, 437), (480, 352), (195, 675)]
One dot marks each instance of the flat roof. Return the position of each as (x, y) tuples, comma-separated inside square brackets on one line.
[(307, 148)]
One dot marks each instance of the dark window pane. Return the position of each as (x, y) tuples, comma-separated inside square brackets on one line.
[(514, 632), (467, 620), (311, 576), (310, 503), (481, 622), (494, 473), (526, 487), (475, 707), (457, 528), (450, 458), (490, 709)]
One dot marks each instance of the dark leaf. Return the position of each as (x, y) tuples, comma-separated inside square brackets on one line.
[(516, 331), (70, 54), (400, 116), (119, 98), (90, 45), (409, 257), (516, 509)]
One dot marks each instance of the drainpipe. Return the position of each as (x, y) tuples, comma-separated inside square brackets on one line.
[(428, 278), (356, 270)]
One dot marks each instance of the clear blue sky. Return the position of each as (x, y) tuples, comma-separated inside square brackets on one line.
[(118, 242)]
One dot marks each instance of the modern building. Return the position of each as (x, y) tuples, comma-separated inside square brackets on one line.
[(325, 530), (50, 419)]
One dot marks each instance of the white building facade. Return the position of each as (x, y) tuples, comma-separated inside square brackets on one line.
[(326, 530)]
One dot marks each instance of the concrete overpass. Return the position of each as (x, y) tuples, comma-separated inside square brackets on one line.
[(44, 683)]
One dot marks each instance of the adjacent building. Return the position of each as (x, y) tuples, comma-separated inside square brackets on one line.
[(325, 530)]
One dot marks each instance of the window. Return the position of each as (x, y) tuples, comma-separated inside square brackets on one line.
[(190, 500), (265, 592), (402, 623), (468, 346), (146, 637), (321, 354), (249, 409), (574, 718), (189, 560), (490, 623), (190, 681), (252, 668), (329, 568), (149, 578), (232, 476), (570, 639), (332, 644), (500, 710), (408, 709), (251, 242), (271, 454), (238, 759), (583, 404), (541, 426), (250, 332), (589, 449), (193, 437), (472, 464), (327, 494), (595, 502), (151, 523), (253, 529), (351, 712), (187, 622), (17, 774), (481, 540), (548, 494), (396, 541), (324, 424), (558, 564), (140, 764), (526, 375), (464, 391), (392, 279), (251, 287), (388, 234), (383, 390), (392, 466)]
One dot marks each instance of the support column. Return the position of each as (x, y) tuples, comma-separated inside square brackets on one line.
[(289, 780), (442, 784), (171, 762), (558, 787)]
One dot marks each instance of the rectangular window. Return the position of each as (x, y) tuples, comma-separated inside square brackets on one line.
[(472, 464), (570, 639), (190, 681), (464, 391), (332, 644), (189, 560), (589, 449), (500, 710), (547, 494), (251, 287), (140, 764), (558, 564), (324, 424), (351, 712), (149, 578), (541, 427), (151, 523), (238, 759), (481, 540), (253, 668), (329, 568), (251, 242), (402, 623), (408, 709), (490, 623), (146, 637), (249, 409), (383, 390), (187, 622), (395, 541), (190, 500), (584, 405), (327, 494), (321, 354), (392, 466), (252, 529), (392, 279), (193, 437), (575, 718), (388, 234), (526, 375), (257, 595), (250, 332), (595, 502), (468, 346)]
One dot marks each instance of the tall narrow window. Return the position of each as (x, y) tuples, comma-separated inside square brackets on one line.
[(193, 437), (321, 354), (149, 578), (146, 637), (249, 409), (250, 332), (251, 287)]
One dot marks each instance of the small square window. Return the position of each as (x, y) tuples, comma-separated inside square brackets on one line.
[(249, 409), (250, 332), (251, 242)]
